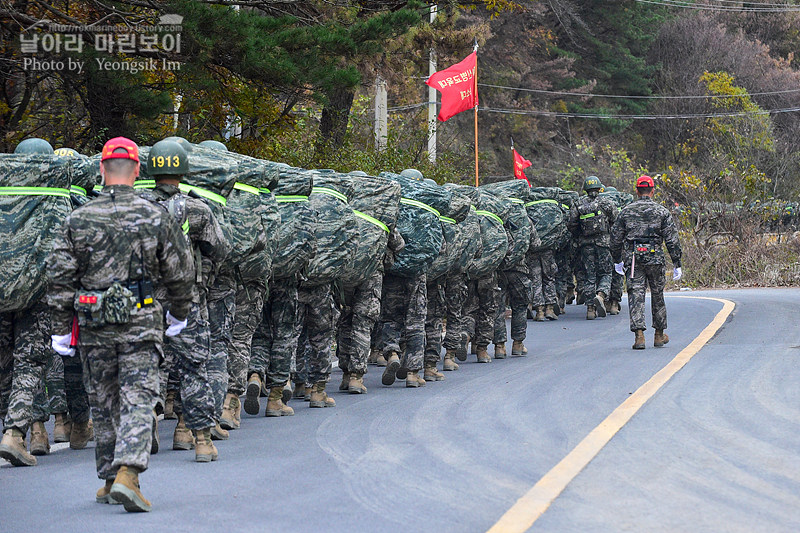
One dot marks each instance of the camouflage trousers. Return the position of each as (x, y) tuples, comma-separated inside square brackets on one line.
[(644, 276), (26, 335), (404, 304), (275, 339), (517, 288), (543, 277), (316, 324), (480, 311), (75, 389), (437, 309), (187, 356), (455, 298), (597, 266), (617, 282), (360, 309), (249, 307), (221, 312), (565, 278), (56, 394), (123, 388)]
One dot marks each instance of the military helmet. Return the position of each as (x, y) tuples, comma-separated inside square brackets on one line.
[(610, 189), (66, 152), (592, 183), (167, 158), (412, 173), (216, 145), (429, 181), (34, 145), (186, 145)]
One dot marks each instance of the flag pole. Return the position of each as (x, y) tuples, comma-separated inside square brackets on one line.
[(475, 88), (513, 160)]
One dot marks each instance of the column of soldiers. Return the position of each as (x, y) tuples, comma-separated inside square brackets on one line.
[(142, 310)]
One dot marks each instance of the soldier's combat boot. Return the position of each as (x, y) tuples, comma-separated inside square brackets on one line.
[(126, 490), (413, 380), (80, 435), (299, 391), (356, 384), (169, 405), (638, 342), (483, 354), (204, 451), (499, 351), (570, 296), (449, 364), (345, 381), (392, 366), (217, 433), (275, 405), (373, 357), (381, 361), (104, 494), (182, 438), (539, 314), (61, 428), (287, 393), (612, 307), (252, 394), (431, 373), (591, 312), (562, 302), (319, 398), (600, 303), (461, 349), (13, 450), (660, 338), (229, 407), (155, 441), (580, 299), (550, 313), (309, 389), (236, 407), (40, 440), (518, 349)]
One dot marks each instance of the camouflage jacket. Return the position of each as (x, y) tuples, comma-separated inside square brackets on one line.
[(599, 213), (650, 225), (119, 237), (204, 233)]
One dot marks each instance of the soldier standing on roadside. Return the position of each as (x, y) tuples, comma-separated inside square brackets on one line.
[(104, 267), (636, 245)]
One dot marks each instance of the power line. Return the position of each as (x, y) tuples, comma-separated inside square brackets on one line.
[(756, 8), (557, 114), (634, 97)]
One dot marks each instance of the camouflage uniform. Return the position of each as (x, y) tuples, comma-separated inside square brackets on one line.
[(275, 339), (250, 297), (360, 309), (480, 310), (187, 354), (404, 303), (221, 312), (437, 309), (647, 225), (119, 236), (77, 398), (316, 323), (517, 286), (594, 254), (455, 299), (56, 401), (543, 268)]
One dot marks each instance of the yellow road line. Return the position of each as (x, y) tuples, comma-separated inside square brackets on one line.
[(535, 502)]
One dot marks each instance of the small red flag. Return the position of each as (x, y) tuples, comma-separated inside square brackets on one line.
[(520, 164), (458, 87)]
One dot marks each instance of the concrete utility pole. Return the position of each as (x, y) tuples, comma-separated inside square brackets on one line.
[(381, 111), (432, 93)]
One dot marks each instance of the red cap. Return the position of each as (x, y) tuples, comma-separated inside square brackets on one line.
[(131, 150), (645, 181)]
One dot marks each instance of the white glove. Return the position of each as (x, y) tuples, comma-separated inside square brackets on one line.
[(677, 273), (619, 268), (60, 344), (174, 326)]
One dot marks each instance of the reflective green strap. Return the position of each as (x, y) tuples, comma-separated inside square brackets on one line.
[(448, 220), (490, 215), (77, 190), (34, 191), (144, 184), (291, 198), (246, 188), (517, 201), (588, 215), (368, 218), (541, 202), (415, 203), (98, 188), (203, 193), (264, 190), (330, 192), (472, 208), (565, 207), (185, 227)]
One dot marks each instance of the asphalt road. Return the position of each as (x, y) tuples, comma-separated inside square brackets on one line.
[(715, 449)]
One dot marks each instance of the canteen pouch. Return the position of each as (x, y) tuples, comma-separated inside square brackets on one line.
[(118, 302), (89, 308)]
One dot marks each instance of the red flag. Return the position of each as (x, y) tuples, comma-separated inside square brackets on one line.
[(458, 87), (520, 164)]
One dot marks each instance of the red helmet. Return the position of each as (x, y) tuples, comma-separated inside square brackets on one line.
[(645, 181)]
